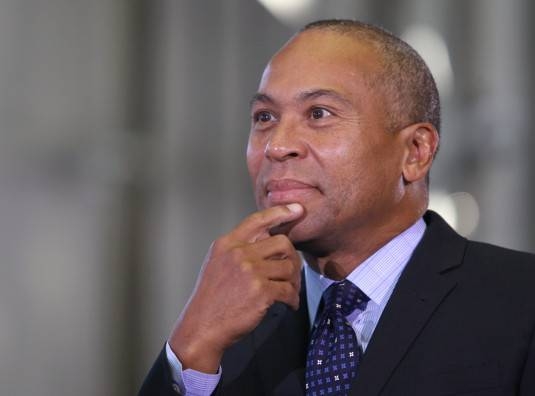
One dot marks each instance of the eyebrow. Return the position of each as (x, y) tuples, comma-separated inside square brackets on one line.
[(260, 98), (302, 97), (319, 93)]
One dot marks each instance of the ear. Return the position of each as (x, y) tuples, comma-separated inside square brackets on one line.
[(421, 142)]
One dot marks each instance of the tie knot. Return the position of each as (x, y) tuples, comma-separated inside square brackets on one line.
[(344, 297)]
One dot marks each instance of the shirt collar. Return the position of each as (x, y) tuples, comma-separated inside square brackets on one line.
[(375, 276)]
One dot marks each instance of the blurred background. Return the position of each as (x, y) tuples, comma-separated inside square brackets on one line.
[(123, 127)]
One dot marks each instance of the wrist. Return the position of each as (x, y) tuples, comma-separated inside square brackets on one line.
[(196, 352)]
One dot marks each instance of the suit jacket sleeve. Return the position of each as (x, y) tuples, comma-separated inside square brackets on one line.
[(159, 381), (527, 385)]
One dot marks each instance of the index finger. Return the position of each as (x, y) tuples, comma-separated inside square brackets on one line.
[(257, 225)]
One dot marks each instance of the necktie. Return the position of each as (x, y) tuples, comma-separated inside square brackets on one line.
[(334, 354)]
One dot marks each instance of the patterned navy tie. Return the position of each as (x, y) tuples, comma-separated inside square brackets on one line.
[(334, 353)]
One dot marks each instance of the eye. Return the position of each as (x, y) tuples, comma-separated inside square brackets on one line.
[(319, 112), (263, 117)]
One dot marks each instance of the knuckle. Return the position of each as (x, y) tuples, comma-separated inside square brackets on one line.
[(246, 267), (278, 239), (256, 286), (285, 242)]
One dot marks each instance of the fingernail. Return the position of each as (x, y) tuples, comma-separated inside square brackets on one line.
[(295, 208)]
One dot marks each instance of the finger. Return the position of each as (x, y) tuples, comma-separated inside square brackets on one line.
[(279, 270), (256, 226), (273, 247), (285, 292)]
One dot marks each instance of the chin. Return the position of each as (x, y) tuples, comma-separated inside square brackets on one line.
[(312, 246), (301, 235), (311, 237)]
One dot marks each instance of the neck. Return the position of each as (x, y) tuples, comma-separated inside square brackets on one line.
[(340, 263)]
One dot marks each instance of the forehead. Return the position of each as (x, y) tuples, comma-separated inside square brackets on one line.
[(320, 59)]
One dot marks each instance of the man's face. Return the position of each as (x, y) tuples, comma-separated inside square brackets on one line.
[(318, 137)]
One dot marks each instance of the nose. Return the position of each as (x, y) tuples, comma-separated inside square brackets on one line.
[(284, 143)]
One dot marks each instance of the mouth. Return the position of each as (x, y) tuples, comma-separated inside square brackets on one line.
[(285, 191)]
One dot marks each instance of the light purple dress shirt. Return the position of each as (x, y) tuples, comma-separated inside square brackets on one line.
[(376, 277)]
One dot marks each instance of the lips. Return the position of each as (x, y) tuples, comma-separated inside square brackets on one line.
[(286, 185), (283, 191)]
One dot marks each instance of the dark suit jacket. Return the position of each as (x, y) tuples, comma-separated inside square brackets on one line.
[(461, 321)]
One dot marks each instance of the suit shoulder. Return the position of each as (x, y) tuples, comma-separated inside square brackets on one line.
[(497, 254), (505, 266)]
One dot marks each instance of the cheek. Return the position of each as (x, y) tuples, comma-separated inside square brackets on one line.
[(255, 156), (254, 159), (345, 175), (357, 173)]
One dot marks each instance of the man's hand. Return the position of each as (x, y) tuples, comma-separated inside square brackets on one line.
[(243, 274)]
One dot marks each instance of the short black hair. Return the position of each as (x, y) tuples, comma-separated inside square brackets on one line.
[(405, 79)]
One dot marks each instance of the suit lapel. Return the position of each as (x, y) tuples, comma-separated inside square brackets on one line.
[(426, 281), (281, 344)]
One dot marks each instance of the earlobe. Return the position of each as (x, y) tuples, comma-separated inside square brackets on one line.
[(421, 145)]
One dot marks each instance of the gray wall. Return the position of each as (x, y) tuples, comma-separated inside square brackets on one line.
[(123, 127)]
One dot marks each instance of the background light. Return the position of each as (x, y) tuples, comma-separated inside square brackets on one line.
[(459, 209), (293, 12)]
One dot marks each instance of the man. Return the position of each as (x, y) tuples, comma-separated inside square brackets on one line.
[(343, 134)]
